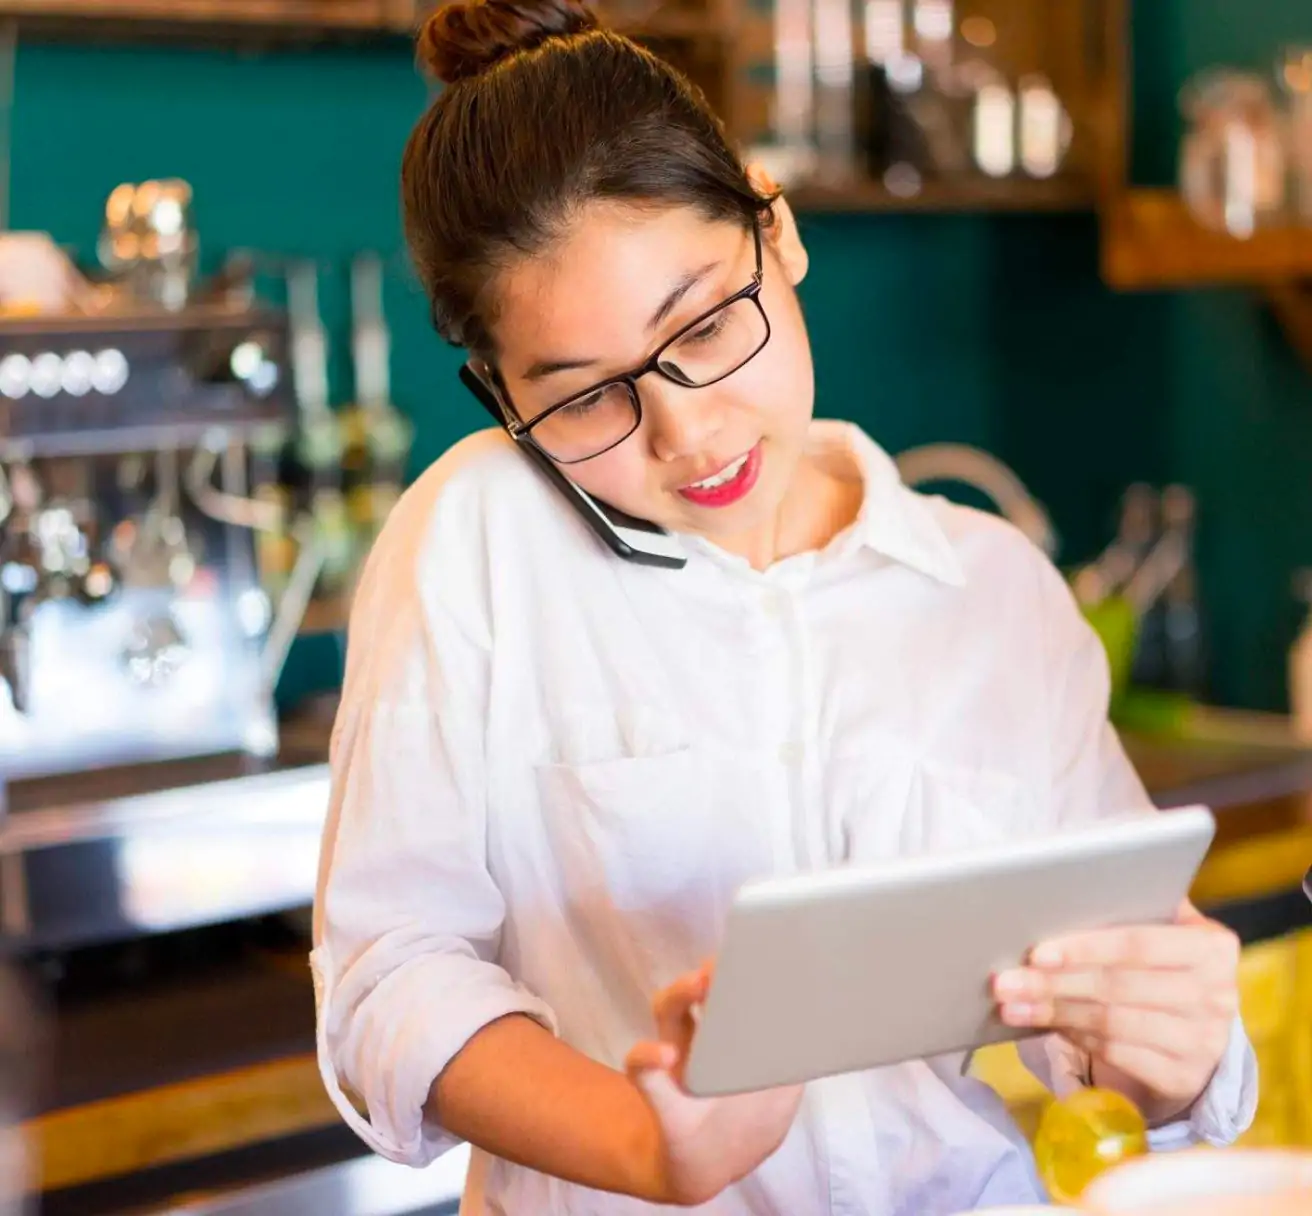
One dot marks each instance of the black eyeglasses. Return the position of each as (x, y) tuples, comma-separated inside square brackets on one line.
[(708, 349)]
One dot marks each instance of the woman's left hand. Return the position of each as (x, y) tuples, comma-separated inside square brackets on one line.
[(1152, 1005)]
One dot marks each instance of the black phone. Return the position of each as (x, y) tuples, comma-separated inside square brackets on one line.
[(635, 540), (1307, 884)]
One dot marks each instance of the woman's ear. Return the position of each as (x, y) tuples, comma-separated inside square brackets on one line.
[(781, 232)]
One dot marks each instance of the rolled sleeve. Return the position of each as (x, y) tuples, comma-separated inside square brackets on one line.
[(1225, 1109), (389, 1046), (407, 918)]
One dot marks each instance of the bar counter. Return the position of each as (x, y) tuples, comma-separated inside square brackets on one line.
[(185, 1051)]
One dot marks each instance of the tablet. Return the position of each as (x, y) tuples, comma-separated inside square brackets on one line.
[(859, 967)]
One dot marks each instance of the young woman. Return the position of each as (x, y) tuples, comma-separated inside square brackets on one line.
[(552, 766)]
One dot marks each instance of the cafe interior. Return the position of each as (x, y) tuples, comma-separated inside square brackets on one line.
[(1060, 268)]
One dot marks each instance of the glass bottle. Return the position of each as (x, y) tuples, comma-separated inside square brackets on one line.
[(1295, 73), (1232, 159)]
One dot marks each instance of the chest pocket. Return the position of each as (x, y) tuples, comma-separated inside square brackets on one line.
[(650, 850), (893, 802)]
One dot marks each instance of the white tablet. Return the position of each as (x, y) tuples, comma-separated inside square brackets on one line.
[(855, 968)]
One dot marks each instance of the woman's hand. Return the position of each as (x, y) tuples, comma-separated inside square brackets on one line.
[(1151, 1005), (706, 1144)]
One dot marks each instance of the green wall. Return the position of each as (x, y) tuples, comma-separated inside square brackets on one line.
[(987, 330)]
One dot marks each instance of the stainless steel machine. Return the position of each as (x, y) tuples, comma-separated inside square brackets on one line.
[(131, 610), (143, 412)]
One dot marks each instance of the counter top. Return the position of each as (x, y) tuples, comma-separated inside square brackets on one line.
[(1249, 769), (1221, 772), (133, 852)]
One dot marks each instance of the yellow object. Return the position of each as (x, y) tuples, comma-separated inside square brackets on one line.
[(1083, 1135), (1253, 868), (178, 1122), (1000, 1067), (1275, 997), (1114, 621)]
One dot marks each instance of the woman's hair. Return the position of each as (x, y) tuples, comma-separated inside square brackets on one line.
[(544, 112)]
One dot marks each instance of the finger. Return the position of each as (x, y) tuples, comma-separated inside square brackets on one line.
[(650, 1057), (1143, 947), (1184, 992), (1187, 914), (673, 1002), (673, 1007), (1162, 1074), (1170, 1033)]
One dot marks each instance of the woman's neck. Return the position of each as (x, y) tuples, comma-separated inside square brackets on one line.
[(823, 498)]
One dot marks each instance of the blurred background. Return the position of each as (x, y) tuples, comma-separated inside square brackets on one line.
[(1061, 265)]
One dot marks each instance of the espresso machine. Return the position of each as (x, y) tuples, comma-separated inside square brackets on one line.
[(134, 413)]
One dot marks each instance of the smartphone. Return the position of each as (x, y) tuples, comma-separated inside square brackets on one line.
[(1307, 884), (635, 540)]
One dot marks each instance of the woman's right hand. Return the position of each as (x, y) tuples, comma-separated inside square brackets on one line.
[(706, 1144)]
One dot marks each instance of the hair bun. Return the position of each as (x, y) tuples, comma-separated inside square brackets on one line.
[(461, 40)]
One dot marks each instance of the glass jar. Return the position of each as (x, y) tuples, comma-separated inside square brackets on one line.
[(1232, 159), (1295, 74)]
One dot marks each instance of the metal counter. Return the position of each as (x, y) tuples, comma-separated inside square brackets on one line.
[(98, 871), (368, 1186)]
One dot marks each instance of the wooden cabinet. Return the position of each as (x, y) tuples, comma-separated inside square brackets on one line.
[(1151, 242)]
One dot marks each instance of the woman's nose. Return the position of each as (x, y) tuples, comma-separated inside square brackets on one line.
[(682, 421)]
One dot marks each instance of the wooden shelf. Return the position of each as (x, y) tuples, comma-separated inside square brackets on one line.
[(217, 20), (673, 26), (1151, 241), (1063, 194)]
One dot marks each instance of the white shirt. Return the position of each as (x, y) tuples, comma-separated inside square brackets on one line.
[(552, 768)]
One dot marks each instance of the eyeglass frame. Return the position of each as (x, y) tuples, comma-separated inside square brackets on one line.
[(523, 431)]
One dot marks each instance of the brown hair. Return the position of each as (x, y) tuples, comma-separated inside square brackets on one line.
[(543, 112)]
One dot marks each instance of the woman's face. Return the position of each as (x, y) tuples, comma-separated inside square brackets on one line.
[(618, 285)]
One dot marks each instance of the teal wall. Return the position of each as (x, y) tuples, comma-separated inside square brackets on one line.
[(988, 330)]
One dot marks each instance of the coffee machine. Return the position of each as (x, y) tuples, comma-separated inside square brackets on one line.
[(137, 421)]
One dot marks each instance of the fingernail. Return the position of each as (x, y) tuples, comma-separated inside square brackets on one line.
[(1018, 1014), (669, 1055), (1047, 955), (1010, 983)]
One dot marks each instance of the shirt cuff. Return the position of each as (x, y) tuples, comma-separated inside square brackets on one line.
[(1225, 1109), (379, 1060), (1220, 1115)]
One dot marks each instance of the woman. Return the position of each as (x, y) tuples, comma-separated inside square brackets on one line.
[(552, 767)]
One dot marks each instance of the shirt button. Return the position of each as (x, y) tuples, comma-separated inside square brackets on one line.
[(790, 754)]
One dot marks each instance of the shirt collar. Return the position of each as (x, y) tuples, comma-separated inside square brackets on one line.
[(894, 521)]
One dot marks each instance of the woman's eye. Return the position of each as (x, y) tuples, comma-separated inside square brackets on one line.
[(707, 329), (583, 404)]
